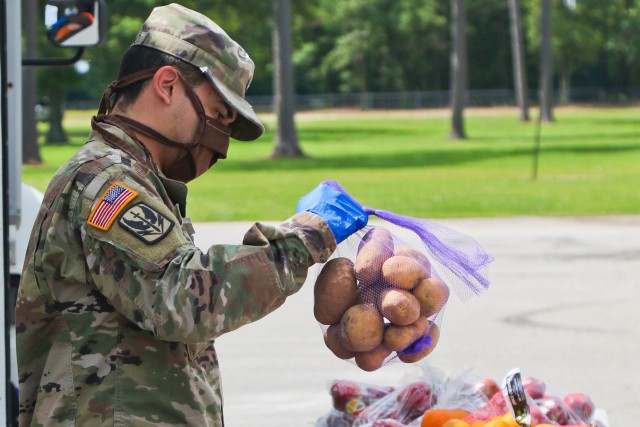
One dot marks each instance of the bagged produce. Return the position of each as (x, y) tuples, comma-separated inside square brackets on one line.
[(402, 406), (380, 299), (438, 400), (352, 398)]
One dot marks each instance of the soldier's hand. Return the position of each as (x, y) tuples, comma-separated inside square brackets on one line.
[(344, 215)]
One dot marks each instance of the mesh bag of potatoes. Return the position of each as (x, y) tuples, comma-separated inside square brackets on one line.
[(380, 300)]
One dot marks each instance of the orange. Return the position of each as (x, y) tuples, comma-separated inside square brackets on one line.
[(496, 422), (511, 422), (438, 416), (455, 423), (508, 418)]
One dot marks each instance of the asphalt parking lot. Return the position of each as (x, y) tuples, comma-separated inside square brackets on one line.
[(562, 306)]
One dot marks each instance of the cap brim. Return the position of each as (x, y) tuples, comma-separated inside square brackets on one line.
[(247, 126)]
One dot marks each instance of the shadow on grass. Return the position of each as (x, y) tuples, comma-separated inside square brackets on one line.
[(417, 158), (464, 152), (594, 138), (362, 133), (618, 121)]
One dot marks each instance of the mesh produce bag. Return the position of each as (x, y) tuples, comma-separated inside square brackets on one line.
[(379, 299)]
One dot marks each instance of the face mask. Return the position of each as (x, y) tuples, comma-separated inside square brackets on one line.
[(196, 159), (211, 141)]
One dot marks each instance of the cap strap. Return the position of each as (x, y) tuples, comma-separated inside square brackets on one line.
[(105, 103)]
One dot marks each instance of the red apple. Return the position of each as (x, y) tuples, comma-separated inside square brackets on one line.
[(415, 398), (581, 405), (373, 393), (384, 410), (496, 405), (350, 392), (344, 391), (553, 408), (486, 387), (534, 387), (536, 414)]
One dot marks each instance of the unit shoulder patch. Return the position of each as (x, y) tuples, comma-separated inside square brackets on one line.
[(146, 223), (109, 206)]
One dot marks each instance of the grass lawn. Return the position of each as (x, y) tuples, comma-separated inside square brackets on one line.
[(403, 161)]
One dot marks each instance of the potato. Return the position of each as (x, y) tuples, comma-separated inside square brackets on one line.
[(367, 295), (403, 271), (398, 338), (334, 342), (432, 295), (361, 327), (409, 251), (373, 359), (335, 291), (378, 235), (376, 247), (434, 333), (400, 307)]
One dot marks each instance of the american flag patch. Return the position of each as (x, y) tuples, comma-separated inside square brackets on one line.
[(110, 205)]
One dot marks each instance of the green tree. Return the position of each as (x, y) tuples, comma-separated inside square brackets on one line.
[(375, 45), (30, 147), (458, 68), (517, 53), (623, 41), (579, 39), (488, 44), (546, 63), (286, 140)]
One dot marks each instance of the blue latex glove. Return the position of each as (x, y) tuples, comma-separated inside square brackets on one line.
[(343, 215)]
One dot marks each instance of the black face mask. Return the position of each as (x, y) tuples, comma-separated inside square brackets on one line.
[(210, 144)]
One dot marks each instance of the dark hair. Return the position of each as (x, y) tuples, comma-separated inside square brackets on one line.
[(138, 58)]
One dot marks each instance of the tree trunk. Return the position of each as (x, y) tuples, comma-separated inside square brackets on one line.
[(30, 148), (519, 68), (286, 141), (565, 85), (546, 64), (56, 134), (458, 68)]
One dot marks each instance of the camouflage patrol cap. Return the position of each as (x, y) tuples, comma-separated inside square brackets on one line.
[(196, 39)]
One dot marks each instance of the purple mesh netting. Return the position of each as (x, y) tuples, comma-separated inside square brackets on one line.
[(464, 261), (419, 345)]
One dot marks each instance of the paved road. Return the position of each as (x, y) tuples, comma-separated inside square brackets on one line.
[(563, 307)]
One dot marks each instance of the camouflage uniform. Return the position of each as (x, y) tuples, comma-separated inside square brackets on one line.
[(116, 327), (117, 308)]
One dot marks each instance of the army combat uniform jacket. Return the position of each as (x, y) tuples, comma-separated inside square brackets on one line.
[(117, 308)]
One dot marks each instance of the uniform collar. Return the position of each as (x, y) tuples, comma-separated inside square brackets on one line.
[(110, 129)]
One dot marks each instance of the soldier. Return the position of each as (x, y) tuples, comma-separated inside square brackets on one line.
[(117, 308)]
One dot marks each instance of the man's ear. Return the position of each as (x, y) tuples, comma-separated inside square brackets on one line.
[(164, 83)]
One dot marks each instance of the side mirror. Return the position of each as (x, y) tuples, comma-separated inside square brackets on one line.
[(75, 23)]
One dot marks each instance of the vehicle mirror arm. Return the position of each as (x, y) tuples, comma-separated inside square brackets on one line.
[(54, 61)]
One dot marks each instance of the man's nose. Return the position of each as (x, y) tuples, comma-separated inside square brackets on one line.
[(230, 117)]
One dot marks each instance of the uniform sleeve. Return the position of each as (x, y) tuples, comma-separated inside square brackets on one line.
[(151, 271)]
